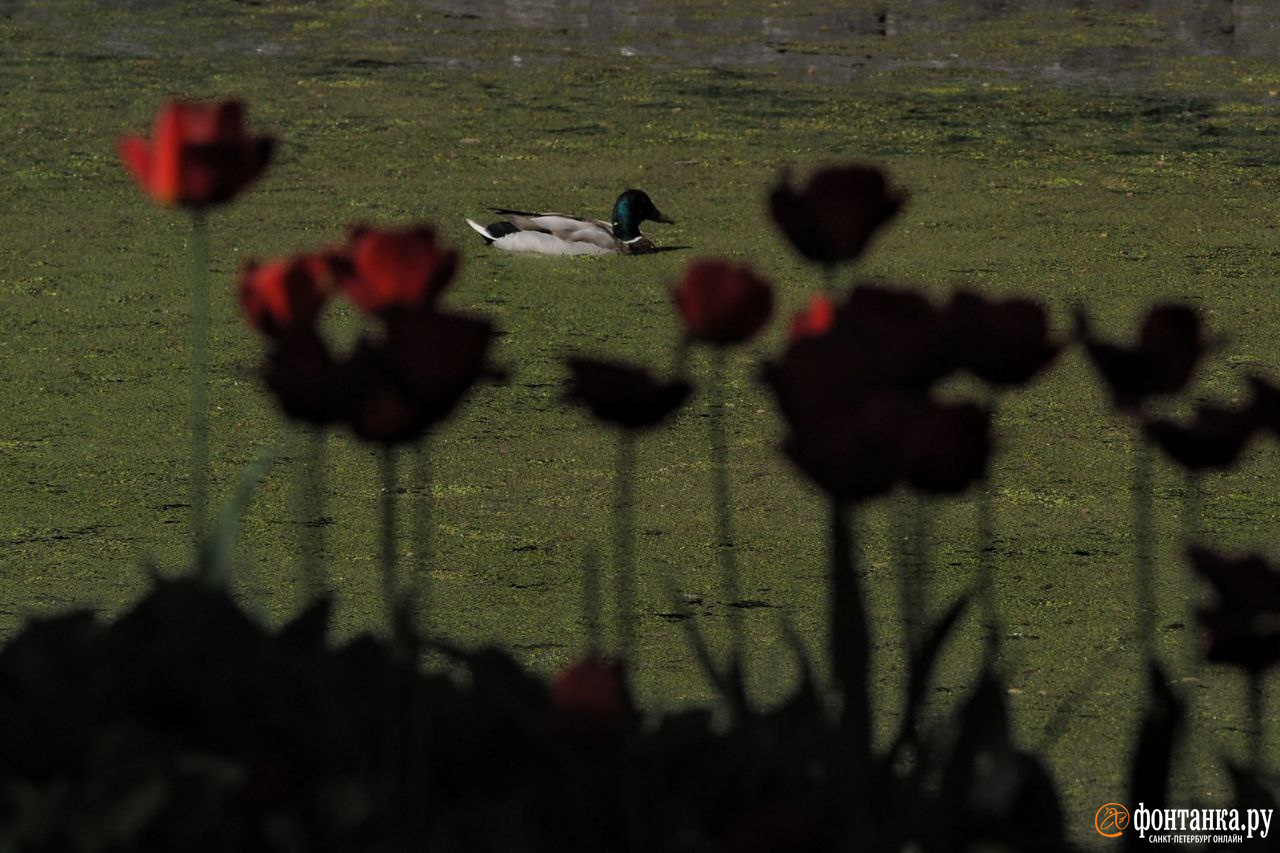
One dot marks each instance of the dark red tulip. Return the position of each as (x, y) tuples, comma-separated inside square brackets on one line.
[(439, 356), (1244, 629), (398, 270), (1002, 342), (200, 154), (1265, 404), (308, 383), (414, 375), (383, 411), (898, 335), (878, 339), (777, 828), (1213, 439), (591, 698), (833, 218), (287, 294), (946, 448), (1169, 346), (815, 320), (850, 445), (722, 303), (623, 395)]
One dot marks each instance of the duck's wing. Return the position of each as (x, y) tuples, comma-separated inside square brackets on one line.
[(550, 233)]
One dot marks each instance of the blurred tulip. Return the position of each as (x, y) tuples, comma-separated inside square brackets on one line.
[(398, 269), (1265, 404), (414, 376), (309, 384), (1244, 628), (1169, 346), (200, 154), (947, 447), (287, 294), (1002, 342), (1213, 439), (777, 828), (591, 698), (833, 218), (722, 303), (622, 395), (815, 320)]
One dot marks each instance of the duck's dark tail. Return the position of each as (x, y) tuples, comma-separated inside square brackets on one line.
[(493, 232)]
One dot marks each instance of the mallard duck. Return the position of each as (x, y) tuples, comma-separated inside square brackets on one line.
[(558, 234)]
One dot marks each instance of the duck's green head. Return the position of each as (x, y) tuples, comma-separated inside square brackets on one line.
[(632, 208)]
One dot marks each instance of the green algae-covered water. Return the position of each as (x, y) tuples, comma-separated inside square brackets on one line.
[(1097, 153)]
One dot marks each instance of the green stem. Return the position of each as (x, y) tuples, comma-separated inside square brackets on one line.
[(904, 531), (723, 500), (987, 559), (591, 602), (1192, 501), (1257, 690), (390, 593), (829, 279), (850, 645), (624, 546), (1144, 555), (422, 532), (199, 392), (314, 506), (306, 512)]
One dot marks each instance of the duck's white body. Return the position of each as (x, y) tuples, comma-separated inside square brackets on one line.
[(560, 234), (554, 234)]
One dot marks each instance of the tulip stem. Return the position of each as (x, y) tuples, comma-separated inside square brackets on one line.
[(624, 546), (1192, 501), (199, 393), (1257, 691), (986, 561), (1143, 544), (591, 602), (422, 531), (307, 509), (910, 598), (829, 282), (850, 642), (315, 506), (389, 592), (723, 500)]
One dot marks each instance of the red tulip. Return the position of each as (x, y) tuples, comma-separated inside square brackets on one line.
[(1002, 342), (289, 293), (622, 395), (722, 303), (815, 320), (1244, 629), (591, 698), (398, 270), (835, 216), (200, 154)]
